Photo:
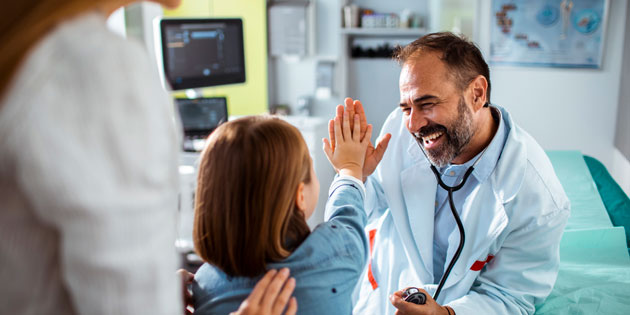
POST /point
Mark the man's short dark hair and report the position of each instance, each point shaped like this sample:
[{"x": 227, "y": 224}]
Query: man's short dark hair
[{"x": 461, "y": 56}]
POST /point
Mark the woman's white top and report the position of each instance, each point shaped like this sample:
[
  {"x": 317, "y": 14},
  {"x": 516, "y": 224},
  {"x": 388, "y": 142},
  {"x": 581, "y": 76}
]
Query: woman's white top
[{"x": 88, "y": 179}]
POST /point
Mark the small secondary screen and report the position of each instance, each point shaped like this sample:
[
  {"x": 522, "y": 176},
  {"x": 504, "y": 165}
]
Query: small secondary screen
[{"x": 202, "y": 115}]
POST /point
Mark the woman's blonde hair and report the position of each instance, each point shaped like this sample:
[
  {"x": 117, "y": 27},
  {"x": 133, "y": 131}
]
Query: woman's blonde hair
[
  {"x": 24, "y": 22},
  {"x": 245, "y": 205}
]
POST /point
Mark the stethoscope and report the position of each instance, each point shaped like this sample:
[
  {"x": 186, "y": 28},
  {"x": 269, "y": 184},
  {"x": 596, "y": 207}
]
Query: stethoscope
[{"x": 412, "y": 294}]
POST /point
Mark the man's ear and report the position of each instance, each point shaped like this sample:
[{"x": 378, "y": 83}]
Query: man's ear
[
  {"x": 299, "y": 197},
  {"x": 478, "y": 88}
]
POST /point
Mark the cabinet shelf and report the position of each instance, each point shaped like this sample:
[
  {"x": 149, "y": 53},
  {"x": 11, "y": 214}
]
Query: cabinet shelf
[{"x": 376, "y": 32}]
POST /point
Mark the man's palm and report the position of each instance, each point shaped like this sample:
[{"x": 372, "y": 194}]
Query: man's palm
[{"x": 373, "y": 155}]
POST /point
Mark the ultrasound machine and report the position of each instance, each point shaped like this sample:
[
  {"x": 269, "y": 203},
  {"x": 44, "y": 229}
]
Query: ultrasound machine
[
  {"x": 194, "y": 54},
  {"x": 199, "y": 53}
]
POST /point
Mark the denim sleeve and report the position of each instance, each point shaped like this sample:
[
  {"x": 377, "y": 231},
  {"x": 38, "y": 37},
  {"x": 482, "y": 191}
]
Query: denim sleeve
[{"x": 345, "y": 212}]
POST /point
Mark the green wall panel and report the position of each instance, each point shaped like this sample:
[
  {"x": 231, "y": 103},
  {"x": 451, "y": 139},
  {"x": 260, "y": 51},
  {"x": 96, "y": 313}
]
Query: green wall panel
[{"x": 248, "y": 98}]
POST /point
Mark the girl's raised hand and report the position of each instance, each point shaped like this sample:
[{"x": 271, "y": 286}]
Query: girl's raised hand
[{"x": 348, "y": 155}]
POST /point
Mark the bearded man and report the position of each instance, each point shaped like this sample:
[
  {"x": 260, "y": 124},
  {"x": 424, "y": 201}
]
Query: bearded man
[{"x": 512, "y": 207}]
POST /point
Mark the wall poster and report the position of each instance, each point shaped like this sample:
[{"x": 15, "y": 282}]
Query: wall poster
[{"x": 548, "y": 33}]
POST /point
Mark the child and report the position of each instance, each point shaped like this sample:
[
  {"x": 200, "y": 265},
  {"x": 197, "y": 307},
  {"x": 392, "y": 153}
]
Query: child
[{"x": 256, "y": 188}]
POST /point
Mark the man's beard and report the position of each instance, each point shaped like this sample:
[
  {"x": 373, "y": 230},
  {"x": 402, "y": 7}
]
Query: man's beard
[{"x": 455, "y": 137}]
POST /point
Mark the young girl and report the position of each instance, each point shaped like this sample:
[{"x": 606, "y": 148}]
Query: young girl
[{"x": 255, "y": 190}]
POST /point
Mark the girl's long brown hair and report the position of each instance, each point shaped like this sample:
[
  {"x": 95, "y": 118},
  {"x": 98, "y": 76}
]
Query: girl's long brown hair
[{"x": 245, "y": 206}]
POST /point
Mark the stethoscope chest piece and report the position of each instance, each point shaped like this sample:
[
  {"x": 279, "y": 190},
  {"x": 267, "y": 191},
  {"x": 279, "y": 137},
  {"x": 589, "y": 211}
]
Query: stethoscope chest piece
[{"x": 413, "y": 295}]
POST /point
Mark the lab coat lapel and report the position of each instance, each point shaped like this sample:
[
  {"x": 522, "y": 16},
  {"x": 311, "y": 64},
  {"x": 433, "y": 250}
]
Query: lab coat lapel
[
  {"x": 484, "y": 218},
  {"x": 483, "y": 214},
  {"x": 419, "y": 188}
]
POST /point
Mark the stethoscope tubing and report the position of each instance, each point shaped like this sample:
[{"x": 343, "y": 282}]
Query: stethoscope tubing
[{"x": 460, "y": 225}]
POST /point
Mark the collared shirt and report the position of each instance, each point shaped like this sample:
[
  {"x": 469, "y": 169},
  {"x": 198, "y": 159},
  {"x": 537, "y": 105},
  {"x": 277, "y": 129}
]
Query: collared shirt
[{"x": 452, "y": 175}]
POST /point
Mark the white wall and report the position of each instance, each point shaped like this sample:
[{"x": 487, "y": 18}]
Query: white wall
[
  {"x": 375, "y": 82},
  {"x": 564, "y": 109},
  {"x": 567, "y": 109},
  {"x": 620, "y": 165},
  {"x": 139, "y": 19},
  {"x": 116, "y": 22},
  {"x": 622, "y": 137}
]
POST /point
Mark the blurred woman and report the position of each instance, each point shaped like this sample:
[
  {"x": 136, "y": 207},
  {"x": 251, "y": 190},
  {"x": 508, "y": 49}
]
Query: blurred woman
[
  {"x": 88, "y": 166},
  {"x": 88, "y": 169}
]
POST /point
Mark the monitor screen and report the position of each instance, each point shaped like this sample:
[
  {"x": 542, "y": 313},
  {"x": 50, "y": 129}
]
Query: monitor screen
[
  {"x": 202, "y": 52},
  {"x": 200, "y": 116}
]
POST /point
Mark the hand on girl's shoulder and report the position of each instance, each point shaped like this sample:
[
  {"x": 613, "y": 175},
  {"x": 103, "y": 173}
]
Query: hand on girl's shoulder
[{"x": 271, "y": 295}]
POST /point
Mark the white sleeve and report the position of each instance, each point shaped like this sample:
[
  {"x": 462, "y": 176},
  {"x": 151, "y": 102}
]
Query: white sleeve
[
  {"x": 375, "y": 200},
  {"x": 97, "y": 160}
]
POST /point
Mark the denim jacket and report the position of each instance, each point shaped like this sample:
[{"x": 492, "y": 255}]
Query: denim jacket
[{"x": 326, "y": 266}]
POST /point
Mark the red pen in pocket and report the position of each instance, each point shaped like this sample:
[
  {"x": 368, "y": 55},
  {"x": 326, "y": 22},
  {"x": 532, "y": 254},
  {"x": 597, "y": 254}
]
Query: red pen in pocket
[{"x": 478, "y": 265}]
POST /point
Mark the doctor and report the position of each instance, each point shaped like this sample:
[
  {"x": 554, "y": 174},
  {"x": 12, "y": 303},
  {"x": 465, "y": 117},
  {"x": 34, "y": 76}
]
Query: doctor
[{"x": 513, "y": 207}]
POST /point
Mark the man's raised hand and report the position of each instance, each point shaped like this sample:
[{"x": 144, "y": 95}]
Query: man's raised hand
[{"x": 373, "y": 155}]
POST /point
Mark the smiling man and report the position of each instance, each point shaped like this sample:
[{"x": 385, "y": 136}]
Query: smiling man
[{"x": 512, "y": 206}]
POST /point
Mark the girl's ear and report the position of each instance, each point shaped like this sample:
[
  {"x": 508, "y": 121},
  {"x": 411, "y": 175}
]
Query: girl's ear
[{"x": 299, "y": 197}]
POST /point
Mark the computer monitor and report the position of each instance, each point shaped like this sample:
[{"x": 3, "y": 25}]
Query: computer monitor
[
  {"x": 202, "y": 52},
  {"x": 200, "y": 116}
]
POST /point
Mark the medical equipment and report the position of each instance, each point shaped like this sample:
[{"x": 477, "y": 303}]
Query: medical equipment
[
  {"x": 199, "y": 117},
  {"x": 201, "y": 52},
  {"x": 414, "y": 297}
]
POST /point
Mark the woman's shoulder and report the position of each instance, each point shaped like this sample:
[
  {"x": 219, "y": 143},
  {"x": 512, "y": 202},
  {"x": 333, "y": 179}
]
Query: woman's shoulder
[
  {"x": 82, "y": 62},
  {"x": 86, "y": 38},
  {"x": 83, "y": 48}
]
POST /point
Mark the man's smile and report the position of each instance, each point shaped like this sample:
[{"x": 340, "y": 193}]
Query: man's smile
[{"x": 431, "y": 140}]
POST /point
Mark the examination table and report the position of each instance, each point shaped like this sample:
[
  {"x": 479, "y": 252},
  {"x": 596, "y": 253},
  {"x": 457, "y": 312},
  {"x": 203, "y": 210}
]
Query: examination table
[{"x": 594, "y": 276}]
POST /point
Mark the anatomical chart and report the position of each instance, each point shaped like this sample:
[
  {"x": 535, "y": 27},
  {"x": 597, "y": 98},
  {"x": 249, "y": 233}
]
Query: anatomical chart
[{"x": 560, "y": 33}]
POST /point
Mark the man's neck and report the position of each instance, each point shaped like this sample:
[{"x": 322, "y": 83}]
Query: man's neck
[{"x": 481, "y": 139}]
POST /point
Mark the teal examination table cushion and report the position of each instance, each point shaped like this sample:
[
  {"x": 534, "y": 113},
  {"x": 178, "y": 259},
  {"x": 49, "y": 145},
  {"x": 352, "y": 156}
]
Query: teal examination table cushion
[
  {"x": 615, "y": 199},
  {"x": 594, "y": 275}
]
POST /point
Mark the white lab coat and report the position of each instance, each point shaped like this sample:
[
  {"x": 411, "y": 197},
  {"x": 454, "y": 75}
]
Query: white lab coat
[{"x": 514, "y": 219}]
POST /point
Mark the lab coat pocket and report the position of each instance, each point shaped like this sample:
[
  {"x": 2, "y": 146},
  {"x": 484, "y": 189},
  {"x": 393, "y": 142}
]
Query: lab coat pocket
[{"x": 463, "y": 276}]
